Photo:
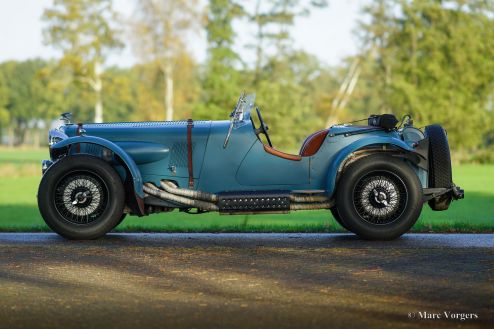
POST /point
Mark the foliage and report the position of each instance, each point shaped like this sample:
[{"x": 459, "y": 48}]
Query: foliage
[
  {"x": 273, "y": 19},
  {"x": 119, "y": 96},
  {"x": 289, "y": 98},
  {"x": 433, "y": 59},
  {"x": 148, "y": 83},
  {"x": 82, "y": 30},
  {"x": 480, "y": 156},
  {"x": 161, "y": 29},
  {"x": 285, "y": 81},
  {"x": 4, "y": 98},
  {"x": 222, "y": 80},
  {"x": 27, "y": 96}
]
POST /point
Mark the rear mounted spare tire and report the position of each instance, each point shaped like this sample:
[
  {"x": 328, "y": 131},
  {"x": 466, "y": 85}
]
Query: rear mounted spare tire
[{"x": 440, "y": 173}]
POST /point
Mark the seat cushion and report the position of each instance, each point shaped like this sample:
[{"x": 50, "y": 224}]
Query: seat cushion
[
  {"x": 280, "y": 154},
  {"x": 313, "y": 143}
]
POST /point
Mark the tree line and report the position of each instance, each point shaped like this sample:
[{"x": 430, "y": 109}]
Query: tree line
[{"x": 432, "y": 59}]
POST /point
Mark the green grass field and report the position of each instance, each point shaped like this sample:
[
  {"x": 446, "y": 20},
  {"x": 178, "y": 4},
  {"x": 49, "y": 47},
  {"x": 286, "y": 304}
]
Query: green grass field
[{"x": 20, "y": 175}]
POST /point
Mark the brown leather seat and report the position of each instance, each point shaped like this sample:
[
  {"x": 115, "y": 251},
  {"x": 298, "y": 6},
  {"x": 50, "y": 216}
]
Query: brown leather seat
[
  {"x": 280, "y": 154},
  {"x": 313, "y": 143}
]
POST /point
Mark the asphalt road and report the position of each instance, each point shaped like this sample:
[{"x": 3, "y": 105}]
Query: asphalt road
[{"x": 246, "y": 281}]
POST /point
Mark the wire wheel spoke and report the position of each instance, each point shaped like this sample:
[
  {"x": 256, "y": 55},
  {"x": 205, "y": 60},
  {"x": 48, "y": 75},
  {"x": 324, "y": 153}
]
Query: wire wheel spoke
[
  {"x": 380, "y": 197},
  {"x": 81, "y": 197}
]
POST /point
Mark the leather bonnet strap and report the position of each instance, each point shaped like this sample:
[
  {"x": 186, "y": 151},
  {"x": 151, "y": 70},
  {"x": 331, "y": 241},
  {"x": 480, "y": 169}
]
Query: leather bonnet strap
[{"x": 190, "y": 125}]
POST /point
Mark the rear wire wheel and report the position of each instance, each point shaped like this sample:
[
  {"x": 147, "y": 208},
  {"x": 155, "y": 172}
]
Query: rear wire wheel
[
  {"x": 337, "y": 218},
  {"x": 379, "y": 197},
  {"x": 124, "y": 215}
]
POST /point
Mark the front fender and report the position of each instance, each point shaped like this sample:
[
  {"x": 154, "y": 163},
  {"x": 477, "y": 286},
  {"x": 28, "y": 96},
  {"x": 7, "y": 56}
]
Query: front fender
[
  {"x": 345, "y": 152},
  {"x": 126, "y": 159}
]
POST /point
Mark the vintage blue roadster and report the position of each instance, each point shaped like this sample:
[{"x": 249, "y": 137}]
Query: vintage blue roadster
[{"x": 374, "y": 178}]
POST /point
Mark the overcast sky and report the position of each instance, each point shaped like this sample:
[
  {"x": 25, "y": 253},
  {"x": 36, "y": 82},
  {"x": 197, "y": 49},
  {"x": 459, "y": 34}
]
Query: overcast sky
[{"x": 327, "y": 33}]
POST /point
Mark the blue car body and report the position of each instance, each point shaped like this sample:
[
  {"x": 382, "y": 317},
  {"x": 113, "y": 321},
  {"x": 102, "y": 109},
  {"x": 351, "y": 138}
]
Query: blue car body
[
  {"x": 156, "y": 151},
  {"x": 373, "y": 178}
]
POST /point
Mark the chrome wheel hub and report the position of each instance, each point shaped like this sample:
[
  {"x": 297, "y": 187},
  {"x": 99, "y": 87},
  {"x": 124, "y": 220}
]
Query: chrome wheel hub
[
  {"x": 81, "y": 198},
  {"x": 380, "y": 198}
]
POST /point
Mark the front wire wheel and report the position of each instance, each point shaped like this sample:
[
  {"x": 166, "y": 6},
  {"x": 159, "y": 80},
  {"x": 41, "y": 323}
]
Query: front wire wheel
[{"x": 81, "y": 197}]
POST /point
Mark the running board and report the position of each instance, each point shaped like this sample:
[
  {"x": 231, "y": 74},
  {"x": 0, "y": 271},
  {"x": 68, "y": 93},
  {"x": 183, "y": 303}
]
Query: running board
[{"x": 275, "y": 201}]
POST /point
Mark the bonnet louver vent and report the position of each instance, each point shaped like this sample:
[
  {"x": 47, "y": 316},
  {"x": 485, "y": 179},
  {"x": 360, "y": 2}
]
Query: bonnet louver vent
[
  {"x": 179, "y": 154},
  {"x": 140, "y": 124}
]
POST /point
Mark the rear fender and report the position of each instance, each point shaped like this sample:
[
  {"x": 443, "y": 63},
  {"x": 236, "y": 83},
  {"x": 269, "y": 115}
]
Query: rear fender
[
  {"x": 133, "y": 181},
  {"x": 375, "y": 144}
]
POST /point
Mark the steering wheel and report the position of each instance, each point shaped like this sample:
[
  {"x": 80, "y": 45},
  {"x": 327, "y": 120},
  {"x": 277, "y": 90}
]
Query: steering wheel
[{"x": 263, "y": 129}]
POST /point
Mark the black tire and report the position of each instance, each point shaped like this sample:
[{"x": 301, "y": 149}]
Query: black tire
[
  {"x": 440, "y": 173},
  {"x": 81, "y": 197},
  {"x": 379, "y": 197},
  {"x": 337, "y": 218},
  {"x": 121, "y": 219}
]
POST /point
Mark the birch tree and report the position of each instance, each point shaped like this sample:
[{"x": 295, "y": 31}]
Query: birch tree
[
  {"x": 161, "y": 30},
  {"x": 83, "y": 30}
]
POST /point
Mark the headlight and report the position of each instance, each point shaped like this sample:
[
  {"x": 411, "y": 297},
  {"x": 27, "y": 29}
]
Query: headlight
[
  {"x": 55, "y": 136},
  {"x": 53, "y": 140}
]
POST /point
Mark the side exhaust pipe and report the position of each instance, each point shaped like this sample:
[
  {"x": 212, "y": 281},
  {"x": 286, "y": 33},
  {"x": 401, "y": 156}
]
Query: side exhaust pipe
[
  {"x": 209, "y": 201},
  {"x": 173, "y": 189},
  {"x": 155, "y": 191},
  {"x": 311, "y": 206},
  {"x": 308, "y": 198}
]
